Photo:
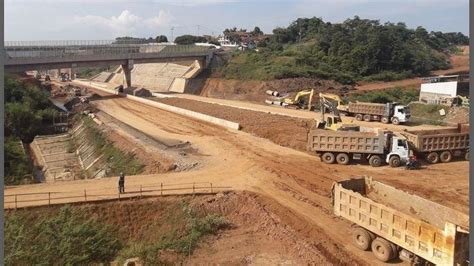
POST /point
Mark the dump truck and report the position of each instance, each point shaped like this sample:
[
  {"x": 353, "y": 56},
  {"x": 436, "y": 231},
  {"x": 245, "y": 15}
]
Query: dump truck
[
  {"x": 386, "y": 113},
  {"x": 393, "y": 223},
  {"x": 373, "y": 145},
  {"x": 440, "y": 145}
]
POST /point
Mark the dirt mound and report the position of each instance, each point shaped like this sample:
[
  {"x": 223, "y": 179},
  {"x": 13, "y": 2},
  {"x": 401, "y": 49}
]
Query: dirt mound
[
  {"x": 282, "y": 130},
  {"x": 255, "y": 90},
  {"x": 458, "y": 115}
]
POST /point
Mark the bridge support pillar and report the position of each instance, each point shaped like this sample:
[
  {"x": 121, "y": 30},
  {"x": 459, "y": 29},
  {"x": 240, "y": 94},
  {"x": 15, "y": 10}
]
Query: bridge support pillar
[
  {"x": 127, "y": 71},
  {"x": 72, "y": 72}
]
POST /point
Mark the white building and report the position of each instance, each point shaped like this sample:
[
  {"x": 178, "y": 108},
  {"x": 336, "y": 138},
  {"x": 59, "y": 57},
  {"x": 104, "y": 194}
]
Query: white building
[{"x": 443, "y": 89}]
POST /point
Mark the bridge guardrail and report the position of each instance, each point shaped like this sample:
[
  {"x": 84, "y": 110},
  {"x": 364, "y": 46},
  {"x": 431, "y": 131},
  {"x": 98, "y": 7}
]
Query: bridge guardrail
[{"x": 77, "y": 51}]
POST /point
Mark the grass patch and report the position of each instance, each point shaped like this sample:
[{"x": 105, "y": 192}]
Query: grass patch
[
  {"x": 400, "y": 95},
  {"x": 187, "y": 229},
  {"x": 428, "y": 113},
  {"x": 65, "y": 238},
  {"x": 117, "y": 160}
]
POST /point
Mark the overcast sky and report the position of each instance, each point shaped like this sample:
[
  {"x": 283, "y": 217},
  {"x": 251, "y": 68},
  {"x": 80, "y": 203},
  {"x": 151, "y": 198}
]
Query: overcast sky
[{"x": 107, "y": 19}]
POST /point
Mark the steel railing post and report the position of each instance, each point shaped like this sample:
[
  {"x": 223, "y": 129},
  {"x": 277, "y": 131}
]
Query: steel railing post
[
  {"x": 16, "y": 202},
  {"x": 161, "y": 189},
  {"x": 85, "y": 196},
  {"x": 49, "y": 198}
]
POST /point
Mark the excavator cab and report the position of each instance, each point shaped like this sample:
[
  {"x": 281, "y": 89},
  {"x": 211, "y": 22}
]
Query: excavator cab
[{"x": 332, "y": 123}]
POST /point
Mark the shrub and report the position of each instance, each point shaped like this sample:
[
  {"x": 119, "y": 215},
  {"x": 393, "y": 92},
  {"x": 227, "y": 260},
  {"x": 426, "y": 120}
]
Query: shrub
[{"x": 66, "y": 238}]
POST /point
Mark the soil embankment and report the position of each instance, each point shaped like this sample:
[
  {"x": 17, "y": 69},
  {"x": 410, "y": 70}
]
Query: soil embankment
[
  {"x": 254, "y": 91},
  {"x": 282, "y": 130}
]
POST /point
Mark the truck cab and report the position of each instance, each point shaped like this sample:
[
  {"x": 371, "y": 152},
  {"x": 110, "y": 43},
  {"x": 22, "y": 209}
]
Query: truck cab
[
  {"x": 398, "y": 151},
  {"x": 401, "y": 114}
]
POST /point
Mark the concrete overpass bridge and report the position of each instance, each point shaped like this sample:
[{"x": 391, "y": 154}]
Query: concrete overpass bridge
[{"x": 26, "y": 56}]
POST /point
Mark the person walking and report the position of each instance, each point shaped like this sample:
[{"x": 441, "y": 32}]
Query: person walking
[{"x": 121, "y": 183}]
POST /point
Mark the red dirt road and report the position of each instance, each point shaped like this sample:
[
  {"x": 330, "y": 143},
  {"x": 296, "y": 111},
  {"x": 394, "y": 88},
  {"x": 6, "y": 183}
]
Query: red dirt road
[{"x": 298, "y": 182}]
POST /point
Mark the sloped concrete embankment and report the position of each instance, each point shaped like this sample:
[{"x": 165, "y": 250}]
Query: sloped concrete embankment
[
  {"x": 56, "y": 158},
  {"x": 68, "y": 156},
  {"x": 90, "y": 158}
]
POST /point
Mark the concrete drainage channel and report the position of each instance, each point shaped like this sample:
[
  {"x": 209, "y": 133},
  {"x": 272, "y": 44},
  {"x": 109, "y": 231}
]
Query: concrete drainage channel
[
  {"x": 60, "y": 159},
  {"x": 181, "y": 111}
]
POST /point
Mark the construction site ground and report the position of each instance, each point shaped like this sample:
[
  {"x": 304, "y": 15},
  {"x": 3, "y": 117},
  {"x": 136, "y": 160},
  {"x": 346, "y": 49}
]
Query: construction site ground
[{"x": 267, "y": 158}]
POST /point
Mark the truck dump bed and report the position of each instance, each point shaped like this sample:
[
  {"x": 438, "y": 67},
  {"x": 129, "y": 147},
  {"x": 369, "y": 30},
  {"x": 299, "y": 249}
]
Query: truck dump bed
[
  {"x": 439, "y": 139},
  {"x": 345, "y": 141},
  {"x": 368, "y": 108},
  {"x": 427, "y": 229}
]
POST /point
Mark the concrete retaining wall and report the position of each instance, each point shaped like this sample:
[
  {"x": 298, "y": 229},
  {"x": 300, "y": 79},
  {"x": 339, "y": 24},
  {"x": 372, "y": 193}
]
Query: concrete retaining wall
[
  {"x": 178, "y": 85},
  {"x": 181, "y": 111}
]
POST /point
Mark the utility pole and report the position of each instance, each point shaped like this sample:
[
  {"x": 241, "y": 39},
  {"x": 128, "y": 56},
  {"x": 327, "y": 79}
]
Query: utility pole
[{"x": 172, "y": 30}]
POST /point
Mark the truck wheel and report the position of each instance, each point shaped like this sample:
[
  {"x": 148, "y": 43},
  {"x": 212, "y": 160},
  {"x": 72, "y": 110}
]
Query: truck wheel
[
  {"x": 375, "y": 161},
  {"x": 362, "y": 238},
  {"x": 466, "y": 156},
  {"x": 328, "y": 157},
  {"x": 394, "y": 161},
  {"x": 367, "y": 118},
  {"x": 432, "y": 157},
  {"x": 445, "y": 157},
  {"x": 342, "y": 158},
  {"x": 395, "y": 121},
  {"x": 385, "y": 120},
  {"x": 382, "y": 249},
  {"x": 359, "y": 117}
]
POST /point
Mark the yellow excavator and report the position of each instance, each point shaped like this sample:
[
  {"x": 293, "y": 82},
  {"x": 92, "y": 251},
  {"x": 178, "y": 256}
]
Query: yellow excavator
[
  {"x": 338, "y": 101},
  {"x": 302, "y": 100},
  {"x": 333, "y": 103}
]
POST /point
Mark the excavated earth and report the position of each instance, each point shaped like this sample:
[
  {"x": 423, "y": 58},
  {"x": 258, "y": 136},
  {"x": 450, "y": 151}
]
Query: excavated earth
[
  {"x": 295, "y": 184},
  {"x": 254, "y": 91},
  {"x": 283, "y": 130}
]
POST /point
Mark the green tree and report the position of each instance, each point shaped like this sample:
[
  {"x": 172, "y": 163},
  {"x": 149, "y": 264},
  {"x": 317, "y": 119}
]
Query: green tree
[
  {"x": 189, "y": 39},
  {"x": 256, "y": 31},
  {"x": 16, "y": 162},
  {"x": 161, "y": 38}
]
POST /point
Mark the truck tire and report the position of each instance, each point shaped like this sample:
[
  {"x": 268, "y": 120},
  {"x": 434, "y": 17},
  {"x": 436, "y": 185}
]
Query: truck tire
[
  {"x": 328, "y": 157},
  {"x": 466, "y": 156},
  {"x": 432, "y": 157},
  {"x": 394, "y": 161},
  {"x": 367, "y": 118},
  {"x": 362, "y": 238},
  {"x": 375, "y": 161},
  {"x": 395, "y": 121},
  {"x": 382, "y": 249},
  {"x": 342, "y": 158},
  {"x": 385, "y": 120},
  {"x": 359, "y": 117},
  {"x": 445, "y": 157}
]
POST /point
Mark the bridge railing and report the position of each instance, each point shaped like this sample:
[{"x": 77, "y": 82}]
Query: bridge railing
[
  {"x": 91, "y": 49},
  {"x": 58, "y": 43}
]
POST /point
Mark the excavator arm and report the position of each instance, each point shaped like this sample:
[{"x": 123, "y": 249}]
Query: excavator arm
[
  {"x": 303, "y": 99},
  {"x": 340, "y": 105}
]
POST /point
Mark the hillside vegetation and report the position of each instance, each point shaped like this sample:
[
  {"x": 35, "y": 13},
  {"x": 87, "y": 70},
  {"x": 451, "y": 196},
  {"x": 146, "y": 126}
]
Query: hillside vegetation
[
  {"x": 357, "y": 49},
  {"x": 27, "y": 111},
  {"x": 102, "y": 233}
]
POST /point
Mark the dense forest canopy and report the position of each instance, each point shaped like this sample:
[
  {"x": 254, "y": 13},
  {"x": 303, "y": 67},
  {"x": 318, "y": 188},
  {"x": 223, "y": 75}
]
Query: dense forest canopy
[{"x": 352, "y": 50}]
